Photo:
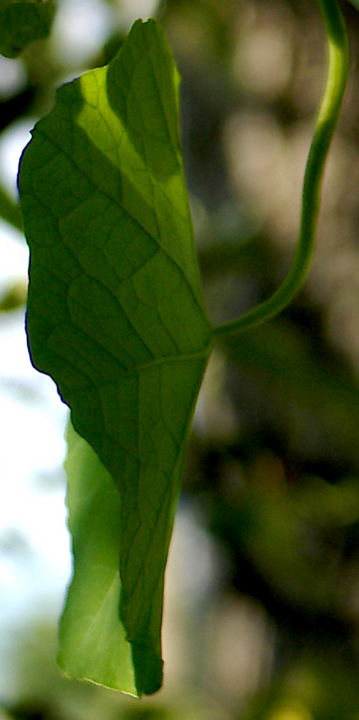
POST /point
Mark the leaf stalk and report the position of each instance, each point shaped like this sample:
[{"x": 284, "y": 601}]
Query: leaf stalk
[{"x": 327, "y": 119}]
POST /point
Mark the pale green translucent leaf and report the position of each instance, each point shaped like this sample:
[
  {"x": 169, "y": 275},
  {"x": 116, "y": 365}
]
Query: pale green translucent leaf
[
  {"x": 115, "y": 311},
  {"x": 93, "y": 641},
  {"x": 22, "y": 23}
]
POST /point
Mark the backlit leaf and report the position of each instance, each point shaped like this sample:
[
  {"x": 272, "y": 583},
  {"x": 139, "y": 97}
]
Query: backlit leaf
[
  {"x": 93, "y": 641},
  {"x": 115, "y": 310}
]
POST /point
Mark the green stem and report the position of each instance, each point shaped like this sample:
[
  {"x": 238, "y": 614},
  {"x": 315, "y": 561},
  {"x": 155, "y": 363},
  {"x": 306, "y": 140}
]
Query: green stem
[{"x": 329, "y": 111}]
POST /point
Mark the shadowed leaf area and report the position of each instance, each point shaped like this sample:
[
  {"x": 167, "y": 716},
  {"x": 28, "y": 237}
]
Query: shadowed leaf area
[{"x": 116, "y": 316}]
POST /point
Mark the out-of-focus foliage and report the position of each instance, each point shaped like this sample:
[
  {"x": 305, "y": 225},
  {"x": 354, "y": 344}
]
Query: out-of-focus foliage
[
  {"x": 274, "y": 461},
  {"x": 22, "y": 23}
]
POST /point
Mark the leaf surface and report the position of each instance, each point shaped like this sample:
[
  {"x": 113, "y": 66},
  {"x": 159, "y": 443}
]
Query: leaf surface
[
  {"x": 22, "y": 23},
  {"x": 93, "y": 641},
  {"x": 115, "y": 309}
]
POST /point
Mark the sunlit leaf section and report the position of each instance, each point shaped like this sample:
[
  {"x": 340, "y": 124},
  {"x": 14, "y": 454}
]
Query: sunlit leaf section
[{"x": 92, "y": 638}]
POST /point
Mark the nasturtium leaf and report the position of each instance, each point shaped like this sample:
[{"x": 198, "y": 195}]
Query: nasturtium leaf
[
  {"x": 22, "y": 23},
  {"x": 115, "y": 308}
]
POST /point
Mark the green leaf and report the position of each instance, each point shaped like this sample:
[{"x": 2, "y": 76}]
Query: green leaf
[
  {"x": 93, "y": 641},
  {"x": 115, "y": 310},
  {"x": 22, "y": 23}
]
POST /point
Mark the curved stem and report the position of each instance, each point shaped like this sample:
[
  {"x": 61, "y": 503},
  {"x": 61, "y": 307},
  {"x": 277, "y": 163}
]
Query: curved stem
[{"x": 328, "y": 115}]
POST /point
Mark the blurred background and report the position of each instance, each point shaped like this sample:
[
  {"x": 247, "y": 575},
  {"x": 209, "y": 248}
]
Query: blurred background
[{"x": 262, "y": 589}]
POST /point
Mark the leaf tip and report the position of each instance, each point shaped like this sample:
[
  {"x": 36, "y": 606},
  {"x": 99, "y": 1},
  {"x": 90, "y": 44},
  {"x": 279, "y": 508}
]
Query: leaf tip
[{"x": 148, "y": 670}]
